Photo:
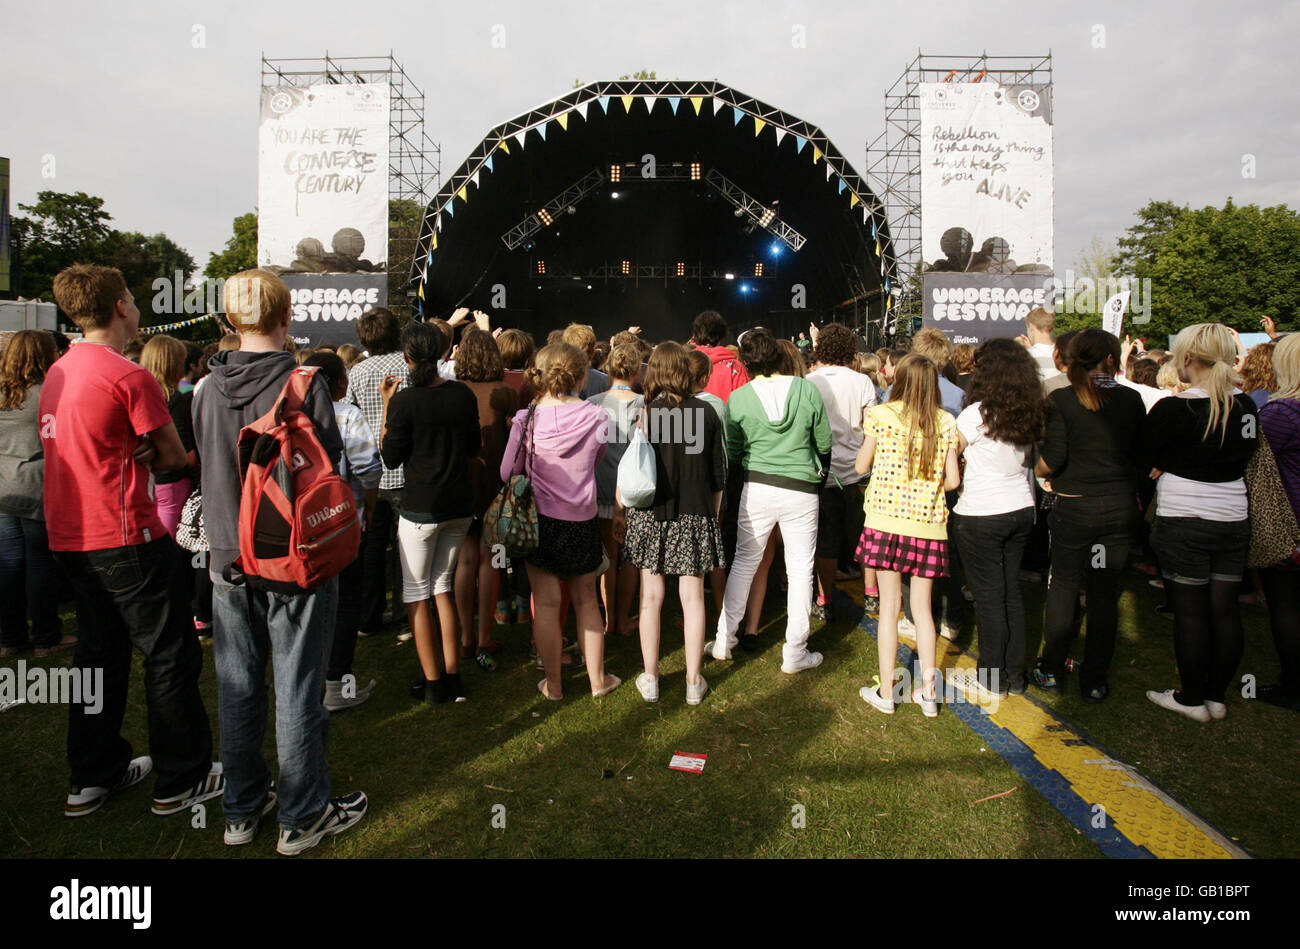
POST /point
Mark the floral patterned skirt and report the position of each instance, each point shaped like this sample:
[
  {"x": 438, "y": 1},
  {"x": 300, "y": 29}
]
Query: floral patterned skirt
[{"x": 687, "y": 547}]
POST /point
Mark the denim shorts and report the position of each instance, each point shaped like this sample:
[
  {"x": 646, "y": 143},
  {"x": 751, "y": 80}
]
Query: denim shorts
[{"x": 1195, "y": 551}]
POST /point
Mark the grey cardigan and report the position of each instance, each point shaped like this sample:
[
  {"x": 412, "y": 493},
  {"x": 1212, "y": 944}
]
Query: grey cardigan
[{"x": 22, "y": 460}]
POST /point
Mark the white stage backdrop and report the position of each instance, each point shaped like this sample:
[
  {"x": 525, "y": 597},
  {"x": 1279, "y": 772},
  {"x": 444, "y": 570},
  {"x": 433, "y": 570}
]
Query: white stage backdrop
[{"x": 322, "y": 190}]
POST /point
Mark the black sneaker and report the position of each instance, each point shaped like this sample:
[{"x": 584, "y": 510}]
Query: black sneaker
[
  {"x": 340, "y": 814},
  {"x": 455, "y": 687},
  {"x": 240, "y": 832},
  {"x": 871, "y": 604},
  {"x": 418, "y": 690},
  {"x": 83, "y": 801},
  {"x": 435, "y": 691},
  {"x": 212, "y": 785}
]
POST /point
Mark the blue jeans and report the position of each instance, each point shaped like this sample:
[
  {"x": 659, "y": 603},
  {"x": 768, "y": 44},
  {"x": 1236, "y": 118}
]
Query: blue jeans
[
  {"x": 29, "y": 583},
  {"x": 250, "y": 627}
]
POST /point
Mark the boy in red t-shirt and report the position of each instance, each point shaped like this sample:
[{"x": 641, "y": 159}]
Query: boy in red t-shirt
[{"x": 104, "y": 425}]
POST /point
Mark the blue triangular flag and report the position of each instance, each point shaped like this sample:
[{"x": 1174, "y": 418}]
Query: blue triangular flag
[
  {"x": 736, "y": 115},
  {"x": 843, "y": 184},
  {"x": 541, "y": 130},
  {"x": 450, "y": 207},
  {"x": 674, "y": 101},
  {"x": 488, "y": 162},
  {"x": 604, "y": 103},
  {"x": 801, "y": 143}
]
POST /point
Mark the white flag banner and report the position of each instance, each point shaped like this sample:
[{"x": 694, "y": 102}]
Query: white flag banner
[
  {"x": 322, "y": 190},
  {"x": 1112, "y": 314}
]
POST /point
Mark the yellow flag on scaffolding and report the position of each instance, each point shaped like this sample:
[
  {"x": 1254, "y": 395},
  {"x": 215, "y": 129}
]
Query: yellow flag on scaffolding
[
  {"x": 853, "y": 202},
  {"x": 817, "y": 154},
  {"x": 697, "y": 101},
  {"x": 758, "y": 125},
  {"x": 461, "y": 194},
  {"x": 563, "y": 119},
  {"x": 627, "y": 104},
  {"x": 504, "y": 147}
]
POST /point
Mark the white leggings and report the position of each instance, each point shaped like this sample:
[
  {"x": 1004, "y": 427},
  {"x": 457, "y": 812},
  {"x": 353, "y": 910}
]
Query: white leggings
[{"x": 428, "y": 553}]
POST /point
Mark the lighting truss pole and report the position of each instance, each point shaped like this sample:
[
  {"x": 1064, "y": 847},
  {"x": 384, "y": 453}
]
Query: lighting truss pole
[
  {"x": 894, "y": 157},
  {"x": 755, "y": 210},
  {"x": 546, "y": 215}
]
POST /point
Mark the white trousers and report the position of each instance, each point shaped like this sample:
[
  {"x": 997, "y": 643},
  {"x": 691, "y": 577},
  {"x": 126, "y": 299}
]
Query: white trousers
[
  {"x": 763, "y": 507},
  {"x": 428, "y": 553}
]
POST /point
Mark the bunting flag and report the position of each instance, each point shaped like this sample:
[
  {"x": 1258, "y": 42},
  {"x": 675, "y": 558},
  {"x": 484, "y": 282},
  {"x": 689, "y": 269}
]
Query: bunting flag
[
  {"x": 780, "y": 133},
  {"x": 461, "y": 194},
  {"x": 853, "y": 202},
  {"x": 563, "y": 119},
  {"x": 697, "y": 101},
  {"x": 627, "y": 104},
  {"x": 817, "y": 154},
  {"x": 717, "y": 106},
  {"x": 674, "y": 102},
  {"x": 450, "y": 208},
  {"x": 432, "y": 247},
  {"x": 421, "y": 289},
  {"x": 428, "y": 261},
  {"x": 604, "y": 103},
  {"x": 474, "y": 178},
  {"x": 519, "y": 137},
  {"x": 758, "y": 125},
  {"x": 800, "y": 143},
  {"x": 541, "y": 130},
  {"x": 505, "y": 146},
  {"x": 736, "y": 115},
  {"x": 488, "y": 161},
  {"x": 168, "y": 327},
  {"x": 829, "y": 170},
  {"x": 878, "y": 249},
  {"x": 843, "y": 184},
  {"x": 650, "y": 103},
  {"x": 582, "y": 110}
]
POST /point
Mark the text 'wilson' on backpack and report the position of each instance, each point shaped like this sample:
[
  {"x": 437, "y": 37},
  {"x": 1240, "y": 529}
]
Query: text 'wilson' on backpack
[{"x": 298, "y": 520}]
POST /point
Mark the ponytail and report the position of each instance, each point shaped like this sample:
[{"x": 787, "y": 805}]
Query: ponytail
[
  {"x": 1212, "y": 347},
  {"x": 1089, "y": 352},
  {"x": 422, "y": 344}
]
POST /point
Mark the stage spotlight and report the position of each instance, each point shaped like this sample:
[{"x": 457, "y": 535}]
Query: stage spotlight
[
  {"x": 615, "y": 173},
  {"x": 588, "y": 286},
  {"x": 766, "y": 219},
  {"x": 695, "y": 171},
  {"x": 681, "y": 269},
  {"x": 738, "y": 212},
  {"x": 613, "y": 194},
  {"x": 776, "y": 248},
  {"x": 626, "y": 267},
  {"x": 541, "y": 268},
  {"x": 758, "y": 269},
  {"x": 744, "y": 288},
  {"x": 570, "y": 210},
  {"x": 545, "y": 217},
  {"x": 729, "y": 276}
]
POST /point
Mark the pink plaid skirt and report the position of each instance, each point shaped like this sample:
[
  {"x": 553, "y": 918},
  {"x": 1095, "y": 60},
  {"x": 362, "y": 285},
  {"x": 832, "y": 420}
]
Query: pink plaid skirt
[{"x": 914, "y": 556}]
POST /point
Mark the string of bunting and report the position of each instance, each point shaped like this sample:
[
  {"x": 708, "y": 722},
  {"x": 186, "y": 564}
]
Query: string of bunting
[{"x": 168, "y": 327}]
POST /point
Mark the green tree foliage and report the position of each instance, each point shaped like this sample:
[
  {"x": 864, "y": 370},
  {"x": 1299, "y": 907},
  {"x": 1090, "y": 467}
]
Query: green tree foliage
[
  {"x": 143, "y": 259},
  {"x": 1227, "y": 265},
  {"x": 240, "y": 252},
  {"x": 59, "y": 230}
]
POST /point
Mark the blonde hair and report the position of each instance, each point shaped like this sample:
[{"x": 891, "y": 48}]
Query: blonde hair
[
  {"x": 164, "y": 357},
  {"x": 916, "y": 387},
  {"x": 228, "y": 342},
  {"x": 792, "y": 362},
  {"x": 560, "y": 369},
  {"x": 1286, "y": 364},
  {"x": 1167, "y": 378},
  {"x": 624, "y": 361},
  {"x": 869, "y": 365},
  {"x": 350, "y": 354},
  {"x": 932, "y": 344},
  {"x": 256, "y": 301},
  {"x": 580, "y": 336},
  {"x": 1212, "y": 347}
]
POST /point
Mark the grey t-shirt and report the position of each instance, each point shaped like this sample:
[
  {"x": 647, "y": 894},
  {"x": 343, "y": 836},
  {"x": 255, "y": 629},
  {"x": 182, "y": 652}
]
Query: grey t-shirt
[
  {"x": 22, "y": 459},
  {"x": 623, "y": 416}
]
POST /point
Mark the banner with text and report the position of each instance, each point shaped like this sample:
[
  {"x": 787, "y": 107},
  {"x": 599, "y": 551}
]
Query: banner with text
[
  {"x": 325, "y": 307},
  {"x": 322, "y": 190},
  {"x": 971, "y": 308}
]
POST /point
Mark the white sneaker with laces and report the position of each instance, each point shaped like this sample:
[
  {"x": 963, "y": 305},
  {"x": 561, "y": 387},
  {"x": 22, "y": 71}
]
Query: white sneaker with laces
[
  {"x": 241, "y": 832},
  {"x": 1197, "y": 713},
  {"x": 929, "y": 707},
  {"x": 211, "y": 786},
  {"x": 83, "y": 801},
  {"x": 340, "y": 814},
  {"x": 810, "y": 660},
  {"x": 876, "y": 700},
  {"x": 718, "y": 649},
  {"x": 648, "y": 686},
  {"x": 906, "y": 628},
  {"x": 695, "y": 693}
]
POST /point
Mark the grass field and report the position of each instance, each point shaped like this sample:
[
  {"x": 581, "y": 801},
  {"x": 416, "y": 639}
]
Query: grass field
[{"x": 590, "y": 778}]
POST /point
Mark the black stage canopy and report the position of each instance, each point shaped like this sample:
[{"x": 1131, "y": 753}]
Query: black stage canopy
[{"x": 630, "y": 203}]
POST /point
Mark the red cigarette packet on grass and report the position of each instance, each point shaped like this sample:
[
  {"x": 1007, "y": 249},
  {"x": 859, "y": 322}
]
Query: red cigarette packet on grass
[{"x": 684, "y": 762}]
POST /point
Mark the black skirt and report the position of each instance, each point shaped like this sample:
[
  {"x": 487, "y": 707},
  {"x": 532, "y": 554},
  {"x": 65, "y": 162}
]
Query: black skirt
[{"x": 567, "y": 548}]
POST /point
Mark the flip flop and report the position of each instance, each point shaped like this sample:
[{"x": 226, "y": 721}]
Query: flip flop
[
  {"x": 597, "y": 693},
  {"x": 541, "y": 687}
]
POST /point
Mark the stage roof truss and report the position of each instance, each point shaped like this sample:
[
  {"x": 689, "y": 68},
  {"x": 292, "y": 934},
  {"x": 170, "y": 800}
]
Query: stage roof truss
[
  {"x": 569, "y": 197},
  {"x": 758, "y": 213}
]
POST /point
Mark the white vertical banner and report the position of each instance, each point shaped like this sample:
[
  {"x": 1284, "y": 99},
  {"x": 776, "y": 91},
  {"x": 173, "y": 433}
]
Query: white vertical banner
[
  {"x": 1112, "y": 315},
  {"x": 322, "y": 190}
]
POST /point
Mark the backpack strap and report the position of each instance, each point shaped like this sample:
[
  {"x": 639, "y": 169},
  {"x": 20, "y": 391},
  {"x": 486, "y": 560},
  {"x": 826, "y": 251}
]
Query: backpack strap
[{"x": 294, "y": 393}]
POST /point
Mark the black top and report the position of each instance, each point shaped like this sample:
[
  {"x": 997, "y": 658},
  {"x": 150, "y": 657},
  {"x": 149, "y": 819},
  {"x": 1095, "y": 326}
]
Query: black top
[
  {"x": 434, "y": 431},
  {"x": 181, "y": 407},
  {"x": 1174, "y": 439},
  {"x": 1094, "y": 453},
  {"x": 689, "y": 460}
]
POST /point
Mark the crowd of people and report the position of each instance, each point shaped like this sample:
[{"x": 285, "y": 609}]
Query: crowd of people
[{"x": 938, "y": 475}]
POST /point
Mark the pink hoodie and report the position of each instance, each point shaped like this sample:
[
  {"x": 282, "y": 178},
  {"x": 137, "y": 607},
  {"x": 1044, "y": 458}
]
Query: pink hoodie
[
  {"x": 728, "y": 372},
  {"x": 567, "y": 443}
]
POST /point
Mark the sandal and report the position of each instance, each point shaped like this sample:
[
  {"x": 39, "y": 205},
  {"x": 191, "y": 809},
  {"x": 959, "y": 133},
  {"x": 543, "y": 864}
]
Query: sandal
[
  {"x": 541, "y": 687},
  {"x": 597, "y": 693}
]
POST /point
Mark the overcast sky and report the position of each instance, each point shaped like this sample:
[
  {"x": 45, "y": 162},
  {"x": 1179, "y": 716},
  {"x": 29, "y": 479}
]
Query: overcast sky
[{"x": 166, "y": 132}]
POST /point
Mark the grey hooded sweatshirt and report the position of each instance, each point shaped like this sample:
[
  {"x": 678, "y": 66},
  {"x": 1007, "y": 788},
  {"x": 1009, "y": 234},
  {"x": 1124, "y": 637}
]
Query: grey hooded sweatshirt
[{"x": 241, "y": 388}]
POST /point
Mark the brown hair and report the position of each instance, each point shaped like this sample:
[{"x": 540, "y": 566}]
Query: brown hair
[
  {"x": 701, "y": 369},
  {"x": 164, "y": 357},
  {"x": 932, "y": 344},
  {"x": 478, "y": 359},
  {"x": 448, "y": 335},
  {"x": 580, "y": 336},
  {"x": 379, "y": 331},
  {"x": 916, "y": 386},
  {"x": 257, "y": 301},
  {"x": 1257, "y": 369},
  {"x": 24, "y": 361},
  {"x": 1091, "y": 350},
  {"x": 837, "y": 345},
  {"x": 560, "y": 370},
  {"x": 669, "y": 374},
  {"x": 350, "y": 354},
  {"x": 1041, "y": 320},
  {"x": 963, "y": 359},
  {"x": 624, "y": 361},
  {"x": 792, "y": 363},
  {"x": 89, "y": 294},
  {"x": 516, "y": 348}
]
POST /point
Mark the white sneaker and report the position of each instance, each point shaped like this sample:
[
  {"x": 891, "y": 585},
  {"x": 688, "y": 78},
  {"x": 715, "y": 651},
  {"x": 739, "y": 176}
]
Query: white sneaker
[
  {"x": 718, "y": 649},
  {"x": 949, "y": 632},
  {"x": 405, "y": 636},
  {"x": 340, "y": 814},
  {"x": 212, "y": 785},
  {"x": 906, "y": 628},
  {"x": 242, "y": 832},
  {"x": 695, "y": 693},
  {"x": 83, "y": 801},
  {"x": 648, "y": 686},
  {"x": 876, "y": 700},
  {"x": 1197, "y": 713},
  {"x": 1218, "y": 711},
  {"x": 810, "y": 660},
  {"x": 335, "y": 701},
  {"x": 929, "y": 707}
]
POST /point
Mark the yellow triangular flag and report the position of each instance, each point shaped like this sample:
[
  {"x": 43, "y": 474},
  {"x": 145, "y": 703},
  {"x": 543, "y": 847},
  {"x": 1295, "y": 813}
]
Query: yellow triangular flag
[
  {"x": 627, "y": 104},
  {"x": 758, "y": 125},
  {"x": 817, "y": 154},
  {"x": 697, "y": 101},
  {"x": 877, "y": 246},
  {"x": 421, "y": 291},
  {"x": 853, "y": 202},
  {"x": 563, "y": 119},
  {"x": 434, "y": 245},
  {"x": 504, "y": 147},
  {"x": 461, "y": 194}
]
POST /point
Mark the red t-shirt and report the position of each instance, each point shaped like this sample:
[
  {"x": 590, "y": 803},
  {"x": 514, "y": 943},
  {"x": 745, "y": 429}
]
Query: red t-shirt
[{"x": 95, "y": 405}]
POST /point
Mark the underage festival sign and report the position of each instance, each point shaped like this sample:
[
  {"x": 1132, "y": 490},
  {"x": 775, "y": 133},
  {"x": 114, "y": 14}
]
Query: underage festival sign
[{"x": 986, "y": 206}]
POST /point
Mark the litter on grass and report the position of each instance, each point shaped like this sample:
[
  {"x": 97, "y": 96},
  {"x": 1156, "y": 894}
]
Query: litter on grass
[{"x": 686, "y": 762}]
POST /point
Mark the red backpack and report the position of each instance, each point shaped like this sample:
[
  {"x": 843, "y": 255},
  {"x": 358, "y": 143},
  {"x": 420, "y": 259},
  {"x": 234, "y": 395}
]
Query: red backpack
[{"x": 298, "y": 520}]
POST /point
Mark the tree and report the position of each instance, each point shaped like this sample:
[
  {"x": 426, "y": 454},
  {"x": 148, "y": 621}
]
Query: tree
[
  {"x": 240, "y": 252},
  {"x": 1093, "y": 273},
  {"x": 1142, "y": 242},
  {"x": 644, "y": 75},
  {"x": 61, "y": 229}
]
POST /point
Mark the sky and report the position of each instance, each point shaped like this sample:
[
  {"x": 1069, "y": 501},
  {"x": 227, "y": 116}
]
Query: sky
[{"x": 154, "y": 106}]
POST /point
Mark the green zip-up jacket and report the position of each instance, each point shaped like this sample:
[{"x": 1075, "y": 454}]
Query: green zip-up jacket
[{"x": 794, "y": 451}]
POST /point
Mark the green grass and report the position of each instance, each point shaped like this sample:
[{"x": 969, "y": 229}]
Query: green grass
[{"x": 869, "y": 785}]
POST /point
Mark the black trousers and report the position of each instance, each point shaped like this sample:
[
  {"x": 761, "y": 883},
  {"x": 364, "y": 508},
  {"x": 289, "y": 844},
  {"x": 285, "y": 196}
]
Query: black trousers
[
  {"x": 344, "y": 646},
  {"x": 996, "y": 545},
  {"x": 379, "y": 562},
  {"x": 1091, "y": 540},
  {"x": 1282, "y": 588},
  {"x": 137, "y": 596}
]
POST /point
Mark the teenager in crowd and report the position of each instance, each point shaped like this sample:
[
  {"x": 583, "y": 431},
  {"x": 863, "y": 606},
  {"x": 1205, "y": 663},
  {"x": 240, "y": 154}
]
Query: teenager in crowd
[
  {"x": 564, "y": 438},
  {"x": 708, "y": 332},
  {"x": 431, "y": 429},
  {"x": 623, "y": 406},
  {"x": 847, "y": 395},
  {"x": 194, "y": 367},
  {"x": 583, "y": 338},
  {"x": 909, "y": 445},
  {"x": 998, "y": 433},
  {"x": 164, "y": 358},
  {"x": 1258, "y": 378},
  {"x": 1280, "y": 421},
  {"x": 517, "y": 351},
  {"x": 478, "y": 366},
  {"x": 1040, "y": 326},
  {"x": 701, "y": 374},
  {"x": 1090, "y": 458},
  {"x": 104, "y": 427},
  {"x": 29, "y": 577},
  {"x": 380, "y": 333},
  {"x": 678, "y": 534},
  {"x": 351, "y": 354},
  {"x": 361, "y": 467},
  {"x": 778, "y": 433},
  {"x": 963, "y": 364},
  {"x": 1198, "y": 444},
  {"x": 253, "y": 627}
]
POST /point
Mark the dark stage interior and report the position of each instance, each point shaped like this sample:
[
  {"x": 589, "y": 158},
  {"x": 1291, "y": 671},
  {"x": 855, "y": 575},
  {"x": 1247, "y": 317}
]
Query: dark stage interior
[{"x": 613, "y": 256}]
